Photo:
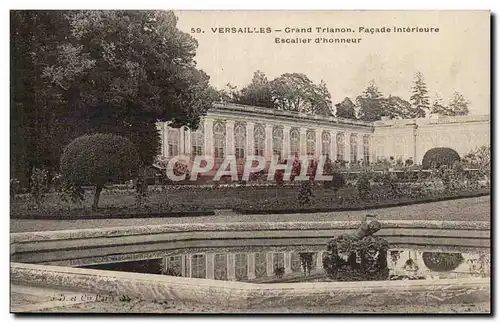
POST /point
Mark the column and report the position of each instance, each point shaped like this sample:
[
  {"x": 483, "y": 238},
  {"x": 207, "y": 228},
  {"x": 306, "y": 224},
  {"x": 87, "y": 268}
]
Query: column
[
  {"x": 286, "y": 141},
  {"x": 230, "y": 137},
  {"x": 319, "y": 142},
  {"x": 269, "y": 264},
  {"x": 183, "y": 266},
  {"x": 251, "y": 265},
  {"x": 333, "y": 145},
  {"x": 250, "y": 140},
  {"x": 188, "y": 265},
  {"x": 361, "y": 146},
  {"x": 288, "y": 262},
  {"x": 187, "y": 141},
  {"x": 165, "y": 264},
  {"x": 231, "y": 266},
  {"x": 181, "y": 140},
  {"x": 347, "y": 146},
  {"x": 268, "y": 146},
  {"x": 303, "y": 150},
  {"x": 209, "y": 135},
  {"x": 209, "y": 265},
  {"x": 319, "y": 260},
  {"x": 165, "y": 139}
]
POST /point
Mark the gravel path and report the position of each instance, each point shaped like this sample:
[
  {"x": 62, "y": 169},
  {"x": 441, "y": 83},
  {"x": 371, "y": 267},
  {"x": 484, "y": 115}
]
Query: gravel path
[{"x": 477, "y": 209}]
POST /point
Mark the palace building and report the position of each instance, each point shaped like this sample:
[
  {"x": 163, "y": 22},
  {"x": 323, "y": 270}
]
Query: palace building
[{"x": 239, "y": 130}]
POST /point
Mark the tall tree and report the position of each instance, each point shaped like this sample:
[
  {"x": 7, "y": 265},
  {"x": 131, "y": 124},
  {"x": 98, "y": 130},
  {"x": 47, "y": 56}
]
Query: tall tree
[
  {"x": 258, "y": 92},
  {"x": 459, "y": 105},
  {"x": 397, "y": 108},
  {"x": 371, "y": 103},
  {"x": 345, "y": 109},
  {"x": 296, "y": 92},
  {"x": 419, "y": 98},
  {"x": 77, "y": 72}
]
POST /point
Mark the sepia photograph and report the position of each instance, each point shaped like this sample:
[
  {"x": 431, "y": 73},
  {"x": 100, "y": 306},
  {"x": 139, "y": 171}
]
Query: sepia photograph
[{"x": 250, "y": 161}]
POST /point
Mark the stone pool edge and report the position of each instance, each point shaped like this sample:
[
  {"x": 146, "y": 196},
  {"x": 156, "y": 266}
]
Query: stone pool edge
[
  {"x": 247, "y": 295},
  {"x": 19, "y": 237}
]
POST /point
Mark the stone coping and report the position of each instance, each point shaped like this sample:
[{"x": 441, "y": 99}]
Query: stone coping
[
  {"x": 248, "y": 295},
  {"x": 39, "y": 236}
]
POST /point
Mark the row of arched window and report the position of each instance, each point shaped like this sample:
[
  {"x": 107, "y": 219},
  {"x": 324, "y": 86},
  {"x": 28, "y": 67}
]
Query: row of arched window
[{"x": 240, "y": 142}]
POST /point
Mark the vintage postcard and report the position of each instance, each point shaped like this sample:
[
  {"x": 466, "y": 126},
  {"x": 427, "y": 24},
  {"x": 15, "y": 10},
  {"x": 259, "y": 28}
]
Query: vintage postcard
[{"x": 250, "y": 161}]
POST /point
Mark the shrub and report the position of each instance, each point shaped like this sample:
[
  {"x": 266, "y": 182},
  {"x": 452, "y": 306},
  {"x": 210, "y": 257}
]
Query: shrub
[
  {"x": 99, "y": 159},
  {"x": 437, "y": 157},
  {"x": 305, "y": 193},
  {"x": 15, "y": 187},
  {"x": 363, "y": 185},
  {"x": 141, "y": 188},
  {"x": 442, "y": 261},
  {"x": 338, "y": 181},
  {"x": 39, "y": 185}
]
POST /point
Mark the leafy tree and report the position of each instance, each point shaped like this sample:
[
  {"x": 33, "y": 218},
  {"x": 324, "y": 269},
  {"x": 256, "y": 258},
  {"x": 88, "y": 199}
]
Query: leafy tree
[
  {"x": 440, "y": 156},
  {"x": 99, "y": 159},
  {"x": 395, "y": 107},
  {"x": 419, "y": 98},
  {"x": 458, "y": 105},
  {"x": 439, "y": 108},
  {"x": 78, "y": 72},
  {"x": 257, "y": 93},
  {"x": 346, "y": 109},
  {"x": 296, "y": 92},
  {"x": 371, "y": 103}
]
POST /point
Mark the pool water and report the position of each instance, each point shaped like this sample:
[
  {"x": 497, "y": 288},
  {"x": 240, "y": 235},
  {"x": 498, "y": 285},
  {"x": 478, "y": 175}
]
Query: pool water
[{"x": 293, "y": 264}]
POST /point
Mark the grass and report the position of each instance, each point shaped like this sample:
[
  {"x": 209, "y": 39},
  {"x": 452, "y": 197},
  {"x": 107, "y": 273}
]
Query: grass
[{"x": 177, "y": 201}]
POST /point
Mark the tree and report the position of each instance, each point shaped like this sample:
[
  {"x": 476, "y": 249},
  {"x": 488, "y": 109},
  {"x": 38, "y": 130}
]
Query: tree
[
  {"x": 458, "y": 105},
  {"x": 78, "y": 72},
  {"x": 439, "y": 108},
  {"x": 419, "y": 98},
  {"x": 370, "y": 103},
  {"x": 257, "y": 93},
  {"x": 99, "y": 159},
  {"x": 296, "y": 92},
  {"x": 345, "y": 109},
  {"x": 395, "y": 107},
  {"x": 440, "y": 156}
]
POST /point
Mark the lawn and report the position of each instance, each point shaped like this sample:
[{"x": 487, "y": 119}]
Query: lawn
[{"x": 246, "y": 199}]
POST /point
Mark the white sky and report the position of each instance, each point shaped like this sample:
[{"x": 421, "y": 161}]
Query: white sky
[{"x": 455, "y": 59}]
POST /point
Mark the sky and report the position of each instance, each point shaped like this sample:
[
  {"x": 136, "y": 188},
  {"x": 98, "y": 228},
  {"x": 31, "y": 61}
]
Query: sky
[{"x": 457, "y": 58}]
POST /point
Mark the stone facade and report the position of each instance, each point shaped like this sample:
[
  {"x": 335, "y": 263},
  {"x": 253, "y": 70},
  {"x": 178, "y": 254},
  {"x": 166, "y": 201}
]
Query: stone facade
[
  {"x": 240, "y": 131},
  {"x": 412, "y": 138}
]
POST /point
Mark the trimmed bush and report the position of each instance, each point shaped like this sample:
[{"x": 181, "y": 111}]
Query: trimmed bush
[
  {"x": 99, "y": 159},
  {"x": 437, "y": 157},
  {"x": 364, "y": 187}
]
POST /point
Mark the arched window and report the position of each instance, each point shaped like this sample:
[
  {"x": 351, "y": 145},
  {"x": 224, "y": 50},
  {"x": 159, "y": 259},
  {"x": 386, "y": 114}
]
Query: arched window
[
  {"x": 173, "y": 142},
  {"x": 294, "y": 142},
  {"x": 366, "y": 148},
  {"x": 219, "y": 140},
  {"x": 354, "y": 148},
  {"x": 310, "y": 143},
  {"x": 277, "y": 141},
  {"x": 241, "y": 269},
  {"x": 197, "y": 139},
  {"x": 325, "y": 144},
  {"x": 239, "y": 141},
  {"x": 259, "y": 136},
  {"x": 198, "y": 266},
  {"x": 340, "y": 146}
]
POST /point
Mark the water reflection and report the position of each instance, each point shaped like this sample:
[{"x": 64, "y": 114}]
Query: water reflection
[{"x": 301, "y": 266}]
